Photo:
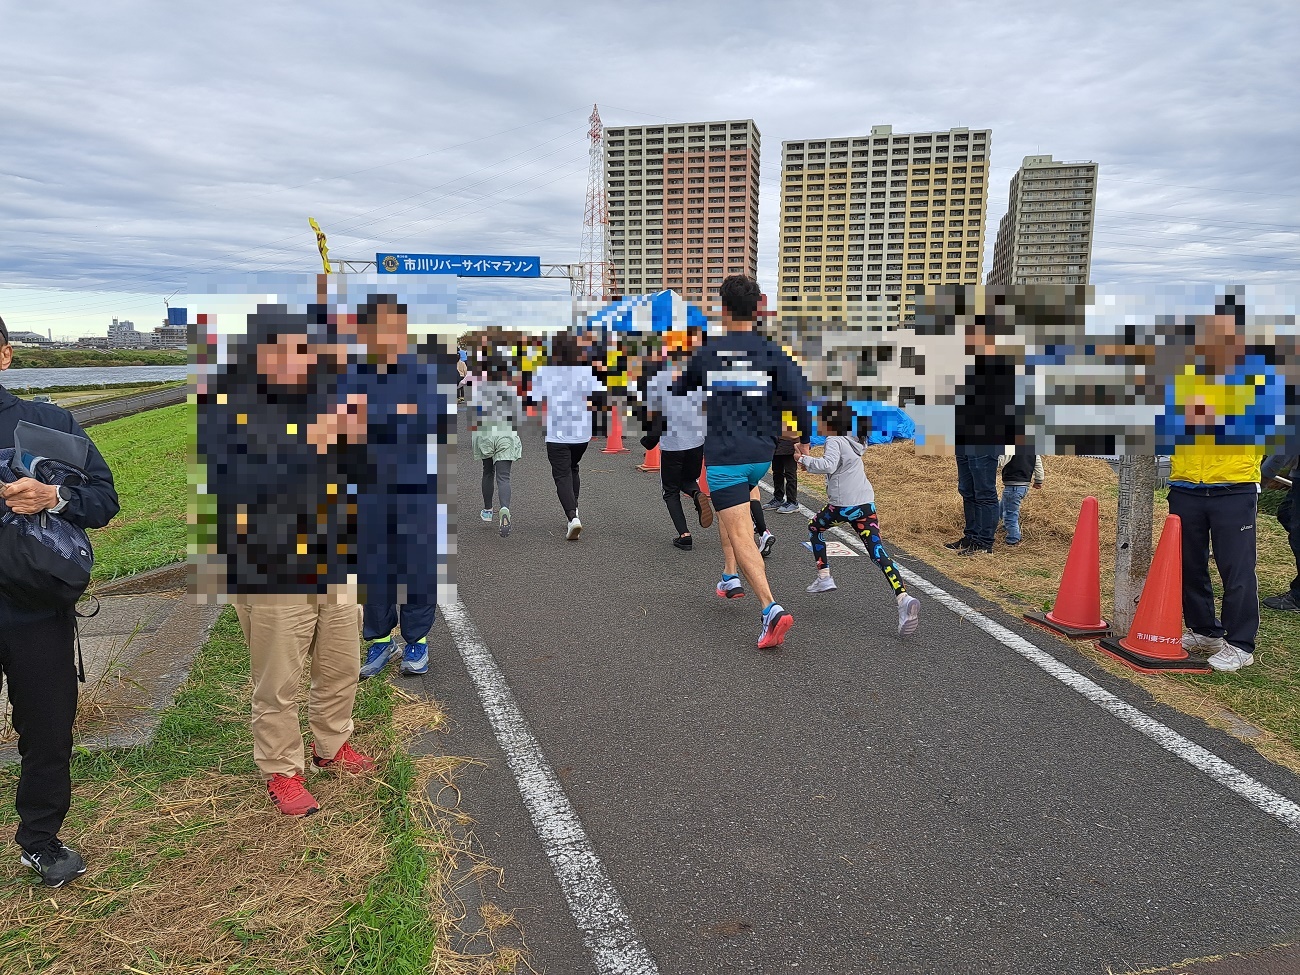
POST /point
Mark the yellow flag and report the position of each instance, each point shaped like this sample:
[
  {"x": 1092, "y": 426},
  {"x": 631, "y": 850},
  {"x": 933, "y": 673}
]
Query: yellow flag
[{"x": 321, "y": 243}]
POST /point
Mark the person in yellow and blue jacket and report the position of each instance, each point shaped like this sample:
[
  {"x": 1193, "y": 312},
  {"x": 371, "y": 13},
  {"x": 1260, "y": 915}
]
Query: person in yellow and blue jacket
[{"x": 1221, "y": 412}]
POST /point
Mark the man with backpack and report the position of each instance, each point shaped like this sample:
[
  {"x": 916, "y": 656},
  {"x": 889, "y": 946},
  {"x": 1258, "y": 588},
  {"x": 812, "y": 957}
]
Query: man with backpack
[{"x": 37, "y": 656}]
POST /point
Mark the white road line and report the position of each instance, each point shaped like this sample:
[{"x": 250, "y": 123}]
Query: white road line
[
  {"x": 595, "y": 905},
  {"x": 1226, "y": 774}
]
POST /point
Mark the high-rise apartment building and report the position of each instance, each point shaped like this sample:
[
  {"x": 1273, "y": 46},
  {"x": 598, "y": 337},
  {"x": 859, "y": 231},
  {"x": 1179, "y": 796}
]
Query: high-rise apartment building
[
  {"x": 868, "y": 220},
  {"x": 1045, "y": 237},
  {"x": 683, "y": 206}
]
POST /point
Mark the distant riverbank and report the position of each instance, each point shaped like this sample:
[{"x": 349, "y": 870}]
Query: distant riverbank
[{"x": 25, "y": 358}]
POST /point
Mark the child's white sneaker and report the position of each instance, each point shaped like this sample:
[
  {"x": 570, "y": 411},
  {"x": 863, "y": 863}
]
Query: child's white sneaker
[
  {"x": 909, "y": 614},
  {"x": 823, "y": 584}
]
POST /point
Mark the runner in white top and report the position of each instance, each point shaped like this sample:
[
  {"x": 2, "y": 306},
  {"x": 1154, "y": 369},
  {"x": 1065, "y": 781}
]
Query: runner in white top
[{"x": 566, "y": 388}]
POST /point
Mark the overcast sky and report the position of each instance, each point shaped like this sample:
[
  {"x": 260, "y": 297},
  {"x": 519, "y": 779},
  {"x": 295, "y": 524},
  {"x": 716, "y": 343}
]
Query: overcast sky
[{"x": 144, "y": 141}]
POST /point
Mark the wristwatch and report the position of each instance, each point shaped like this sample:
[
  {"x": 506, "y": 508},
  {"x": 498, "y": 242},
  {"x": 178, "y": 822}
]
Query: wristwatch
[{"x": 64, "y": 498}]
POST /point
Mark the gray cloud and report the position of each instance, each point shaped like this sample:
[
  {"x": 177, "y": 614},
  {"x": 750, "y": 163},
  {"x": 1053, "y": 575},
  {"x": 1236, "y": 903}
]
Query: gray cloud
[{"x": 144, "y": 141}]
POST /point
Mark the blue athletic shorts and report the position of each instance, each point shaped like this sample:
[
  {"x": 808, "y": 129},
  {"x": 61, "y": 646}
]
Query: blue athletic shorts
[{"x": 730, "y": 485}]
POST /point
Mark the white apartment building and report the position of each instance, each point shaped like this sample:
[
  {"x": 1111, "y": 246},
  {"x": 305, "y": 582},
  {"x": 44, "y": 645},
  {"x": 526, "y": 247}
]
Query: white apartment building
[{"x": 1045, "y": 237}]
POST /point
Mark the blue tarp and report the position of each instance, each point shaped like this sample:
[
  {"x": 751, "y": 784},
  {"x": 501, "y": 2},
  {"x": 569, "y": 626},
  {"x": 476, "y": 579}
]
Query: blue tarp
[{"x": 888, "y": 422}]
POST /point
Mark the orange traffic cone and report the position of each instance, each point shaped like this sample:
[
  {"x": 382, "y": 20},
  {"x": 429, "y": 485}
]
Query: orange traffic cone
[
  {"x": 1077, "y": 610},
  {"x": 651, "y": 462},
  {"x": 614, "y": 442},
  {"x": 704, "y": 479},
  {"x": 1155, "y": 644}
]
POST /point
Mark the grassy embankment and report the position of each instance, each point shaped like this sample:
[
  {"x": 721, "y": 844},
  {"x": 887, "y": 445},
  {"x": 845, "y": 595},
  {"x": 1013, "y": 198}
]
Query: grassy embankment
[
  {"x": 920, "y": 511},
  {"x": 146, "y": 453},
  {"x": 190, "y": 869},
  {"x": 27, "y": 358}
]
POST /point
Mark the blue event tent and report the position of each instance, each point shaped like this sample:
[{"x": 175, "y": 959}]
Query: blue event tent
[{"x": 665, "y": 311}]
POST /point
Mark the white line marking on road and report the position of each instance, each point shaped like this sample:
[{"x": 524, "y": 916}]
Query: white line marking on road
[
  {"x": 1226, "y": 774},
  {"x": 594, "y": 903}
]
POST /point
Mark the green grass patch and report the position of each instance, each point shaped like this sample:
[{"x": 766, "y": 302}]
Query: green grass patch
[{"x": 146, "y": 453}]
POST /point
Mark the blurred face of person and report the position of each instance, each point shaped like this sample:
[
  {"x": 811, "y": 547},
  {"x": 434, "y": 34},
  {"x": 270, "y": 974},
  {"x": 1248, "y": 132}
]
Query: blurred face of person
[
  {"x": 386, "y": 336},
  {"x": 1219, "y": 343},
  {"x": 287, "y": 361}
]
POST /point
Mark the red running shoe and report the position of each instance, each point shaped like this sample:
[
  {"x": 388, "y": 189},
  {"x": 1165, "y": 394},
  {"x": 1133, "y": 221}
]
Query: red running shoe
[
  {"x": 290, "y": 795},
  {"x": 776, "y": 624},
  {"x": 347, "y": 760}
]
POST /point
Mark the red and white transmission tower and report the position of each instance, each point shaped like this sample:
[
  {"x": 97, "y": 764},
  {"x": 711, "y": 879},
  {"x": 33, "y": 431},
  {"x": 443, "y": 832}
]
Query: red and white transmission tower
[{"x": 599, "y": 281}]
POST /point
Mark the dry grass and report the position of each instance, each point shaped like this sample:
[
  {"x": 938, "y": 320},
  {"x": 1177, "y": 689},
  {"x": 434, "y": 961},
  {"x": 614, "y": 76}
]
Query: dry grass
[
  {"x": 920, "y": 511},
  {"x": 196, "y": 873}
]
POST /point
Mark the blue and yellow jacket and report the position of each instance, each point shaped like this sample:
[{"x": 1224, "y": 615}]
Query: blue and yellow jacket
[{"x": 1249, "y": 405}]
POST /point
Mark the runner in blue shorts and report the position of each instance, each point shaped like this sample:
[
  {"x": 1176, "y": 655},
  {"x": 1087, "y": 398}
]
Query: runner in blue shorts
[{"x": 751, "y": 386}]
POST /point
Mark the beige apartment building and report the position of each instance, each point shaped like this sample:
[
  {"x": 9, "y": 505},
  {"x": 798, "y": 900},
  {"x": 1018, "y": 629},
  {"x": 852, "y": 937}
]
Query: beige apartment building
[
  {"x": 867, "y": 221},
  {"x": 683, "y": 206},
  {"x": 1045, "y": 237}
]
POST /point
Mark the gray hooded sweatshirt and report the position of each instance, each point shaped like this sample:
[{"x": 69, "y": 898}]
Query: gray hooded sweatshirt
[{"x": 846, "y": 477}]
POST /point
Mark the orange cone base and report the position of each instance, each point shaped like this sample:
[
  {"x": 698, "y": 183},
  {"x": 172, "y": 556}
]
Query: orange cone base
[
  {"x": 614, "y": 447},
  {"x": 1152, "y": 665},
  {"x": 1073, "y": 632}
]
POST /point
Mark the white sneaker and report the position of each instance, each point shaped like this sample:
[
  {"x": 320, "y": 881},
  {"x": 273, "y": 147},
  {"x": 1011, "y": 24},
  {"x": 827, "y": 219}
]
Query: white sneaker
[
  {"x": 909, "y": 614},
  {"x": 1203, "y": 645},
  {"x": 823, "y": 584},
  {"x": 766, "y": 542},
  {"x": 575, "y": 529},
  {"x": 485, "y": 514},
  {"x": 1231, "y": 658}
]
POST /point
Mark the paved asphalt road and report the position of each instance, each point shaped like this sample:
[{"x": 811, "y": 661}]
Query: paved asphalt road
[
  {"x": 851, "y": 804},
  {"x": 89, "y": 416}
]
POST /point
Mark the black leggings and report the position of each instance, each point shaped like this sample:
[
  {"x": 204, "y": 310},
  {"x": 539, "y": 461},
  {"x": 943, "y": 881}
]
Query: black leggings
[
  {"x": 679, "y": 473},
  {"x": 498, "y": 472},
  {"x": 565, "y": 458}
]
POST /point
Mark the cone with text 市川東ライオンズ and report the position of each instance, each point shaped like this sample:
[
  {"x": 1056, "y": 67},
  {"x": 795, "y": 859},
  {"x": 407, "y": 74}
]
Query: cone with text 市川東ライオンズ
[{"x": 1154, "y": 645}]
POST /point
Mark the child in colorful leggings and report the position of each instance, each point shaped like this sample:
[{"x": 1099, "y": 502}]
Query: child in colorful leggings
[{"x": 851, "y": 499}]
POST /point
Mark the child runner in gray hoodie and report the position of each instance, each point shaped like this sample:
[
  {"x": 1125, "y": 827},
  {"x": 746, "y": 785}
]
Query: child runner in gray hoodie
[{"x": 851, "y": 499}]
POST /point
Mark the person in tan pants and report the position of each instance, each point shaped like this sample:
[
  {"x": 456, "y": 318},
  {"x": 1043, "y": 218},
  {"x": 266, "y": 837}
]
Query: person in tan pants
[
  {"x": 283, "y": 634},
  {"x": 279, "y": 450}
]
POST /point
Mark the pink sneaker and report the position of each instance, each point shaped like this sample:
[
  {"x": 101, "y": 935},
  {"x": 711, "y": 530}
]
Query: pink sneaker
[
  {"x": 347, "y": 760},
  {"x": 290, "y": 795}
]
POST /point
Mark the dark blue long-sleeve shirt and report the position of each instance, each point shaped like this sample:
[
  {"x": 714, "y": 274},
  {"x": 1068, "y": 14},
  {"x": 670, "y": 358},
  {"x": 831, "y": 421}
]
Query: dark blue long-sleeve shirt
[{"x": 749, "y": 383}]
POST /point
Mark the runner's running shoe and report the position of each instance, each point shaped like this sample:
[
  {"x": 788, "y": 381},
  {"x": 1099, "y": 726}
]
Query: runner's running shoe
[
  {"x": 823, "y": 584},
  {"x": 704, "y": 508},
  {"x": 505, "y": 522},
  {"x": 729, "y": 587},
  {"x": 776, "y": 624},
  {"x": 789, "y": 508},
  {"x": 766, "y": 542},
  {"x": 379, "y": 655},
  {"x": 909, "y": 614},
  {"x": 485, "y": 514},
  {"x": 415, "y": 659},
  {"x": 575, "y": 529}
]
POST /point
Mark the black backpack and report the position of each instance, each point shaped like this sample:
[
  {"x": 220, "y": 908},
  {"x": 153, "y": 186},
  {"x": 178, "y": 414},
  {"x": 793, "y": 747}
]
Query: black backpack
[{"x": 45, "y": 561}]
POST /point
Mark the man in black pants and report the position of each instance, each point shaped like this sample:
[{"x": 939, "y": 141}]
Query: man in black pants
[
  {"x": 986, "y": 424},
  {"x": 36, "y": 648},
  {"x": 1288, "y": 514}
]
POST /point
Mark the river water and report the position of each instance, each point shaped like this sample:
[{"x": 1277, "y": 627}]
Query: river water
[{"x": 85, "y": 376}]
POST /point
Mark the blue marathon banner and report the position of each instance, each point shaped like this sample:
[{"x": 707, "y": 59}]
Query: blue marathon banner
[{"x": 462, "y": 265}]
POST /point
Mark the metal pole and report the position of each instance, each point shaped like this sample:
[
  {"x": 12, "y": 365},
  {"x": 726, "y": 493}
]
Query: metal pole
[{"x": 1134, "y": 518}]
